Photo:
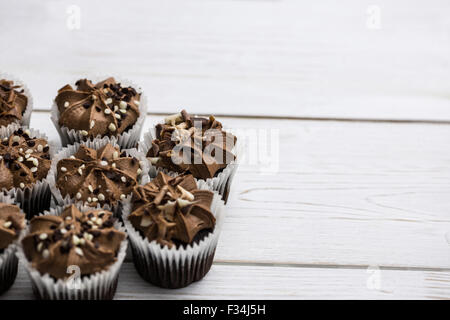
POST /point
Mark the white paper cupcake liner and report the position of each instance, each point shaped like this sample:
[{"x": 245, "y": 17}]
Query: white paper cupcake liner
[
  {"x": 221, "y": 183},
  {"x": 27, "y": 113},
  {"x": 8, "y": 259},
  {"x": 126, "y": 140},
  {"x": 36, "y": 198},
  {"x": 175, "y": 267},
  {"x": 60, "y": 200},
  {"x": 98, "y": 286}
]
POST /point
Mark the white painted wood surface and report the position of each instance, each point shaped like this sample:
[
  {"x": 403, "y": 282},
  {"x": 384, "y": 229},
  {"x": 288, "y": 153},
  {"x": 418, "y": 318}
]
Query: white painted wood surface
[
  {"x": 280, "y": 58},
  {"x": 348, "y": 196},
  {"x": 232, "y": 282}
]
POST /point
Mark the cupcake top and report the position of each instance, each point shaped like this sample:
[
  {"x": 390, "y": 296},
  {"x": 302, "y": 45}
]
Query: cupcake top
[
  {"x": 12, "y": 221},
  {"x": 105, "y": 108},
  {"x": 100, "y": 176},
  {"x": 194, "y": 145},
  {"x": 23, "y": 160},
  {"x": 172, "y": 211},
  {"x": 13, "y": 102},
  {"x": 85, "y": 239}
]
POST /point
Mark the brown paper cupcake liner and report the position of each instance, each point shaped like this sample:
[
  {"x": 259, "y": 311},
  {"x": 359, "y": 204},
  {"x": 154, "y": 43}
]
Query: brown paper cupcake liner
[
  {"x": 126, "y": 140},
  {"x": 99, "y": 286},
  {"x": 60, "y": 200},
  {"x": 221, "y": 183},
  {"x": 36, "y": 198},
  {"x": 175, "y": 267},
  {"x": 8, "y": 259}
]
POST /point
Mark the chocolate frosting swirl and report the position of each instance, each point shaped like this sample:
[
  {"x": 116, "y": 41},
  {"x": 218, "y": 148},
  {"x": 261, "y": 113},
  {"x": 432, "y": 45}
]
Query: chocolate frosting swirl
[
  {"x": 98, "y": 176},
  {"x": 23, "y": 160},
  {"x": 13, "y": 102},
  {"x": 105, "y": 109},
  {"x": 171, "y": 211},
  {"x": 12, "y": 221},
  {"x": 85, "y": 239},
  {"x": 192, "y": 144}
]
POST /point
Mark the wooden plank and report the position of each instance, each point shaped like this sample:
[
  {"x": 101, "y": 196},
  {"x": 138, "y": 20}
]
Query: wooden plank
[
  {"x": 233, "y": 282},
  {"x": 277, "y": 58},
  {"x": 346, "y": 193}
]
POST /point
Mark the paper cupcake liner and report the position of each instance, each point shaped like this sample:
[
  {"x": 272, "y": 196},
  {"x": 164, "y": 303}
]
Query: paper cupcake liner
[
  {"x": 60, "y": 200},
  {"x": 221, "y": 183},
  {"x": 126, "y": 140},
  {"x": 176, "y": 267},
  {"x": 36, "y": 198},
  {"x": 27, "y": 113},
  {"x": 99, "y": 286},
  {"x": 8, "y": 259}
]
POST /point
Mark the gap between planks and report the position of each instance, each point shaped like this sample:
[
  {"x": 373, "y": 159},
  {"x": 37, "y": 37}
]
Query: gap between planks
[
  {"x": 323, "y": 266},
  {"x": 237, "y": 116}
]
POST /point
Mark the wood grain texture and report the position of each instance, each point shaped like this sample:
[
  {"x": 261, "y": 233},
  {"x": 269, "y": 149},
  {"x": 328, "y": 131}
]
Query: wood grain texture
[
  {"x": 233, "y": 282},
  {"x": 278, "y": 58},
  {"x": 347, "y": 194}
]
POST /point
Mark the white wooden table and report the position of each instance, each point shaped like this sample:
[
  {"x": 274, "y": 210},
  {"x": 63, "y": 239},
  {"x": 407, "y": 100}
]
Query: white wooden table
[{"x": 360, "y": 204}]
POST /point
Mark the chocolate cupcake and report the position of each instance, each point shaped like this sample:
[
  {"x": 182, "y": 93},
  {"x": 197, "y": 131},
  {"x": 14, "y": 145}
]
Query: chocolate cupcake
[
  {"x": 196, "y": 145},
  {"x": 16, "y": 102},
  {"x": 25, "y": 160},
  {"x": 107, "y": 108},
  {"x": 12, "y": 222},
  {"x": 173, "y": 227},
  {"x": 96, "y": 172},
  {"x": 79, "y": 239}
]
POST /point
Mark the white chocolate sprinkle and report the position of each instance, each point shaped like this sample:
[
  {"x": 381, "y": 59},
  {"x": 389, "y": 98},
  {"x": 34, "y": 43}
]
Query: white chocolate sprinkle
[
  {"x": 7, "y": 224},
  {"x": 146, "y": 221},
  {"x": 112, "y": 127},
  {"x": 78, "y": 195},
  {"x": 66, "y": 104},
  {"x": 103, "y": 163},
  {"x": 108, "y": 101},
  {"x": 107, "y": 111},
  {"x": 45, "y": 254},
  {"x": 84, "y": 132},
  {"x": 33, "y": 169},
  {"x": 90, "y": 188},
  {"x": 92, "y": 124},
  {"x": 43, "y": 236},
  {"x": 40, "y": 148},
  {"x": 115, "y": 155},
  {"x": 101, "y": 197},
  {"x": 122, "y": 196},
  {"x": 40, "y": 246},
  {"x": 78, "y": 251},
  {"x": 63, "y": 169},
  {"x": 123, "y": 105},
  {"x": 22, "y": 185},
  {"x": 123, "y": 179},
  {"x": 76, "y": 240}
]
